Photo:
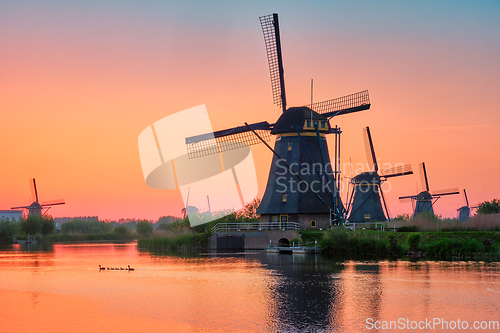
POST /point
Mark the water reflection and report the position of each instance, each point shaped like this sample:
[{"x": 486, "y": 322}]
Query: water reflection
[{"x": 60, "y": 288}]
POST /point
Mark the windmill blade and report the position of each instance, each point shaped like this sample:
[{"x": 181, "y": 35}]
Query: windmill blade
[
  {"x": 405, "y": 198},
  {"x": 423, "y": 177},
  {"x": 465, "y": 199},
  {"x": 370, "y": 152},
  {"x": 448, "y": 191},
  {"x": 271, "y": 30},
  {"x": 26, "y": 207},
  {"x": 34, "y": 192},
  {"x": 225, "y": 140},
  {"x": 400, "y": 170},
  {"x": 342, "y": 105},
  {"x": 53, "y": 202},
  {"x": 385, "y": 204}
]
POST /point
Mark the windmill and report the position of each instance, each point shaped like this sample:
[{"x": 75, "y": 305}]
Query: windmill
[
  {"x": 367, "y": 191},
  {"x": 424, "y": 201},
  {"x": 35, "y": 209},
  {"x": 302, "y": 184},
  {"x": 464, "y": 211}
]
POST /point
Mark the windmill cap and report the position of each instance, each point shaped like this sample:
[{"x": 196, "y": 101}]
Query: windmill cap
[
  {"x": 366, "y": 178},
  {"x": 35, "y": 205},
  {"x": 424, "y": 196},
  {"x": 296, "y": 116}
]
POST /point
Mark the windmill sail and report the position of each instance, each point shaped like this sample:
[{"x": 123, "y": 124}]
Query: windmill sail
[
  {"x": 448, "y": 191},
  {"x": 396, "y": 171},
  {"x": 228, "y": 139},
  {"x": 342, "y": 105},
  {"x": 423, "y": 177},
  {"x": 270, "y": 28},
  {"x": 370, "y": 151},
  {"x": 34, "y": 193},
  {"x": 53, "y": 202}
]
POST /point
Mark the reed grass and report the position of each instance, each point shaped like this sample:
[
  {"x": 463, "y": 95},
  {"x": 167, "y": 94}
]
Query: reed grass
[{"x": 430, "y": 222}]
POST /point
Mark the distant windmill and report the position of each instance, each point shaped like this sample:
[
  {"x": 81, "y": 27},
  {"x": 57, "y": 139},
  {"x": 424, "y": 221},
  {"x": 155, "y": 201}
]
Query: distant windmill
[
  {"x": 367, "y": 205},
  {"x": 35, "y": 209},
  {"x": 424, "y": 201},
  {"x": 300, "y": 141},
  {"x": 464, "y": 211}
]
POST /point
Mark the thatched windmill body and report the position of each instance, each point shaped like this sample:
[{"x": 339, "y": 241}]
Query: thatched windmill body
[
  {"x": 365, "y": 204},
  {"x": 303, "y": 183}
]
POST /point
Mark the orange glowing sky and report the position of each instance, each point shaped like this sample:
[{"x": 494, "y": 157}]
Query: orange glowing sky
[{"x": 79, "y": 81}]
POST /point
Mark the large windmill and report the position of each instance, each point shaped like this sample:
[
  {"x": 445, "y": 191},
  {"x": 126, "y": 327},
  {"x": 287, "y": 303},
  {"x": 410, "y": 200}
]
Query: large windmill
[
  {"x": 424, "y": 201},
  {"x": 366, "y": 205},
  {"x": 302, "y": 184},
  {"x": 35, "y": 209}
]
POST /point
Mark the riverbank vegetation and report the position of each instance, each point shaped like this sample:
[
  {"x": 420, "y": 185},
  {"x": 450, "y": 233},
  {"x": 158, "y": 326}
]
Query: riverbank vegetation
[
  {"x": 425, "y": 235},
  {"x": 179, "y": 235},
  {"x": 43, "y": 228}
]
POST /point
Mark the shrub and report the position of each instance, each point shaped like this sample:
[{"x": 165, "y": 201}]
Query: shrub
[
  {"x": 394, "y": 246},
  {"x": 413, "y": 240}
]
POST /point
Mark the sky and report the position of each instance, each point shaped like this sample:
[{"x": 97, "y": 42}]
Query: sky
[{"x": 80, "y": 80}]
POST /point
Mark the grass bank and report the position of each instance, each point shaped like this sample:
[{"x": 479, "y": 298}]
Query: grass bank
[{"x": 440, "y": 244}]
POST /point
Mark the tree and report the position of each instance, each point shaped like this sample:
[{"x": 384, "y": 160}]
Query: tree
[
  {"x": 48, "y": 225},
  {"x": 488, "y": 207},
  {"x": 249, "y": 213},
  {"x": 33, "y": 225},
  {"x": 8, "y": 230},
  {"x": 144, "y": 228}
]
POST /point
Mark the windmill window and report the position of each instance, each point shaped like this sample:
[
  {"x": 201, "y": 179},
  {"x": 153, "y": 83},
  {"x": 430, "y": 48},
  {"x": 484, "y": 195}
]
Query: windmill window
[
  {"x": 323, "y": 124},
  {"x": 284, "y": 197},
  {"x": 367, "y": 216},
  {"x": 275, "y": 219},
  {"x": 308, "y": 123},
  {"x": 313, "y": 224},
  {"x": 289, "y": 145},
  {"x": 283, "y": 218},
  {"x": 315, "y": 123}
]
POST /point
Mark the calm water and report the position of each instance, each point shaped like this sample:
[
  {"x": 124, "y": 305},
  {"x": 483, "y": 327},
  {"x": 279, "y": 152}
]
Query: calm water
[{"x": 59, "y": 288}]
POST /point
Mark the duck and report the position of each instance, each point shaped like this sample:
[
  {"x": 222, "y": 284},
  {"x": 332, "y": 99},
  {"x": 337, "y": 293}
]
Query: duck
[
  {"x": 108, "y": 268},
  {"x": 102, "y": 268},
  {"x": 129, "y": 268},
  {"x": 122, "y": 269}
]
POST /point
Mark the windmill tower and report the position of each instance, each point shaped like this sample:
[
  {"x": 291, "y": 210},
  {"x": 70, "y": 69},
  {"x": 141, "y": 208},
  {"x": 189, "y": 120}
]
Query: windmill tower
[
  {"x": 424, "y": 201},
  {"x": 366, "y": 205},
  {"x": 303, "y": 184},
  {"x": 35, "y": 209},
  {"x": 464, "y": 211}
]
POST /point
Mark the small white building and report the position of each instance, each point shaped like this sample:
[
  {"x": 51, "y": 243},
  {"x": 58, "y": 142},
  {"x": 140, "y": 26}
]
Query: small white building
[{"x": 11, "y": 214}]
